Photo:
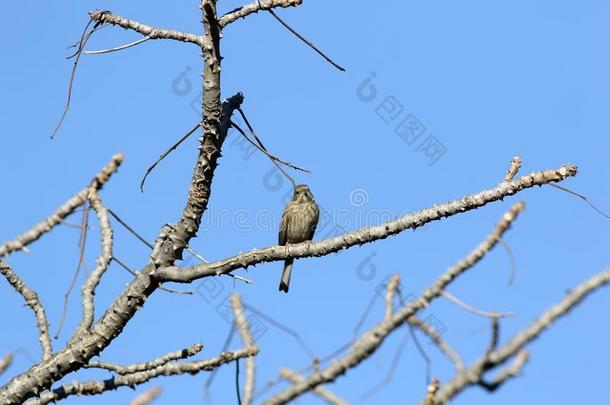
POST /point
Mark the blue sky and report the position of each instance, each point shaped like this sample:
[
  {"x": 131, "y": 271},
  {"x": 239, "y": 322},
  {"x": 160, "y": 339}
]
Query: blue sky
[{"x": 488, "y": 80}]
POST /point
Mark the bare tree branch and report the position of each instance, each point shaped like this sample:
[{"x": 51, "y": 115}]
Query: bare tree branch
[
  {"x": 366, "y": 345},
  {"x": 365, "y": 235},
  {"x": 6, "y": 362},
  {"x": 88, "y": 289},
  {"x": 107, "y": 17},
  {"x": 62, "y": 212},
  {"x": 515, "y": 165},
  {"x": 322, "y": 392},
  {"x": 244, "y": 331},
  {"x": 509, "y": 372},
  {"x": 306, "y": 41},
  {"x": 130, "y": 380},
  {"x": 147, "y": 396},
  {"x": 167, "y": 152},
  {"x": 474, "y": 374},
  {"x": 438, "y": 341},
  {"x": 390, "y": 294},
  {"x": 149, "y": 365},
  {"x": 433, "y": 388},
  {"x": 473, "y": 310},
  {"x": 117, "y": 48},
  {"x": 31, "y": 299},
  {"x": 255, "y": 7}
]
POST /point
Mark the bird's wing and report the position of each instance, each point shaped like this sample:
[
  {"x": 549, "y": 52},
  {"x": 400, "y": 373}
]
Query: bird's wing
[
  {"x": 314, "y": 222},
  {"x": 283, "y": 235}
]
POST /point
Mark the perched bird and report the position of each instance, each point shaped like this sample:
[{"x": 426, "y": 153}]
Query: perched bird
[{"x": 298, "y": 224}]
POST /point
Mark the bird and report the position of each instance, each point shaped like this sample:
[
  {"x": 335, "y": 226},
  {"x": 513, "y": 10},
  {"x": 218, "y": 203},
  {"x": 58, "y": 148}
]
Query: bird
[{"x": 298, "y": 224}]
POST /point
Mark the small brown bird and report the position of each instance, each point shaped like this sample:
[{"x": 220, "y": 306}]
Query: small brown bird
[{"x": 298, "y": 224}]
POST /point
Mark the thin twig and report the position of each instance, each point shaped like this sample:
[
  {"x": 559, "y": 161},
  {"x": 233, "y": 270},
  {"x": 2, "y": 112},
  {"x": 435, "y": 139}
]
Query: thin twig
[
  {"x": 237, "y": 382},
  {"x": 167, "y": 152},
  {"x": 582, "y": 197},
  {"x": 118, "y": 48},
  {"x": 81, "y": 44},
  {"x": 80, "y": 264},
  {"x": 265, "y": 151},
  {"x": 473, "y": 310},
  {"x": 129, "y": 228},
  {"x": 225, "y": 347},
  {"x": 513, "y": 264},
  {"x": 276, "y": 164},
  {"x": 311, "y": 45},
  {"x": 391, "y": 370}
]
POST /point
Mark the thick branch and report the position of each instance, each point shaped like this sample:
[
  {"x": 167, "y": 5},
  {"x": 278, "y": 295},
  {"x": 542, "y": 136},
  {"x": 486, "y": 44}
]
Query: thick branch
[
  {"x": 367, "y": 235},
  {"x": 365, "y": 346},
  {"x": 150, "y": 32},
  {"x": 130, "y": 380},
  {"x": 31, "y": 299},
  {"x": 149, "y": 365},
  {"x": 62, "y": 212},
  {"x": 255, "y": 7}
]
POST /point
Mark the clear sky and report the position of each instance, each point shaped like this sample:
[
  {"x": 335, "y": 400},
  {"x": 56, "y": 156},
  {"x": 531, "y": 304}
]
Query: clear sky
[{"x": 485, "y": 80}]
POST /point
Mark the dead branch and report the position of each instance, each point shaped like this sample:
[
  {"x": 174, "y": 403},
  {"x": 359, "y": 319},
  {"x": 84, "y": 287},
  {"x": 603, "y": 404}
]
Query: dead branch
[
  {"x": 31, "y": 299},
  {"x": 107, "y": 17},
  {"x": 255, "y": 7},
  {"x": 149, "y": 365},
  {"x": 62, "y": 212},
  {"x": 147, "y": 397},
  {"x": 366, "y": 235},
  {"x": 130, "y": 380},
  {"x": 366, "y": 345},
  {"x": 244, "y": 331}
]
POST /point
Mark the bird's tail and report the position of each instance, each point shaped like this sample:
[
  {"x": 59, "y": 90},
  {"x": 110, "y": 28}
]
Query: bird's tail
[{"x": 285, "y": 281}]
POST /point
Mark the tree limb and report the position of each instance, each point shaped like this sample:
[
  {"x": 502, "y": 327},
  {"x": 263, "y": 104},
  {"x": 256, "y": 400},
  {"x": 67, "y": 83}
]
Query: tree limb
[
  {"x": 244, "y": 331},
  {"x": 149, "y": 365},
  {"x": 474, "y": 374},
  {"x": 62, "y": 212},
  {"x": 366, "y": 235},
  {"x": 31, "y": 299},
  {"x": 366, "y": 345},
  {"x": 88, "y": 289},
  {"x": 130, "y": 380},
  {"x": 107, "y": 17},
  {"x": 322, "y": 392},
  {"x": 255, "y": 7}
]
